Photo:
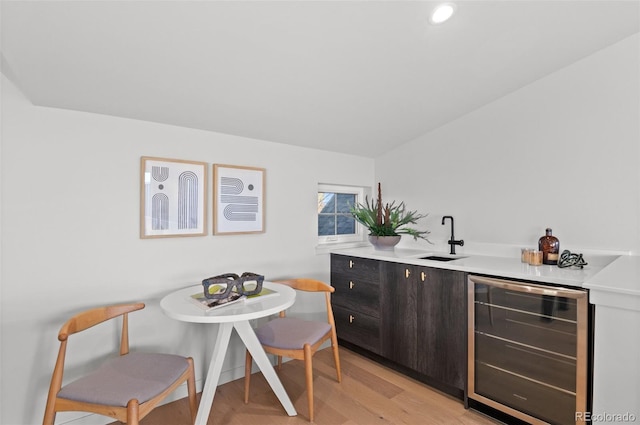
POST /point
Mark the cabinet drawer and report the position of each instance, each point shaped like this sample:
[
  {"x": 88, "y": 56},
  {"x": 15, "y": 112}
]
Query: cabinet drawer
[
  {"x": 363, "y": 268},
  {"x": 358, "y": 328},
  {"x": 355, "y": 294}
]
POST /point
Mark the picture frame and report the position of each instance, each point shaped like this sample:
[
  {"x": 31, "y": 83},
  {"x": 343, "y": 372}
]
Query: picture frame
[
  {"x": 173, "y": 197},
  {"x": 238, "y": 199}
]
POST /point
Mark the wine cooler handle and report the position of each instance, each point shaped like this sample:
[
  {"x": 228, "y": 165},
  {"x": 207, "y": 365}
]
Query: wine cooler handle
[{"x": 530, "y": 288}]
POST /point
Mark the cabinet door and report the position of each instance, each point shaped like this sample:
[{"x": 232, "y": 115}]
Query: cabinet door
[
  {"x": 398, "y": 319},
  {"x": 442, "y": 325},
  {"x": 357, "y": 328},
  {"x": 363, "y": 268},
  {"x": 355, "y": 294}
]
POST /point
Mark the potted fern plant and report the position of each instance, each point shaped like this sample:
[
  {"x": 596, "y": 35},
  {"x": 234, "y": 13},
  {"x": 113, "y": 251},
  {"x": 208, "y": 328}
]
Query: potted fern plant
[{"x": 387, "y": 223}]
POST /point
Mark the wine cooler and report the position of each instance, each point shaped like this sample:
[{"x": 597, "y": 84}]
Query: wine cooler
[{"x": 528, "y": 350}]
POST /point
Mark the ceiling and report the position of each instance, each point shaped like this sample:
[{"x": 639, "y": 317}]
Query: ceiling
[{"x": 358, "y": 77}]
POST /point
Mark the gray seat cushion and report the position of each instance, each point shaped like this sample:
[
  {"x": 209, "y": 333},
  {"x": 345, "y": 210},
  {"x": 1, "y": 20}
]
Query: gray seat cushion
[
  {"x": 291, "y": 333},
  {"x": 136, "y": 375}
]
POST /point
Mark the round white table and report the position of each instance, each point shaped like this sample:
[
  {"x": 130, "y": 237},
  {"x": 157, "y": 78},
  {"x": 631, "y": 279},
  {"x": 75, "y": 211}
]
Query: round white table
[{"x": 178, "y": 306}]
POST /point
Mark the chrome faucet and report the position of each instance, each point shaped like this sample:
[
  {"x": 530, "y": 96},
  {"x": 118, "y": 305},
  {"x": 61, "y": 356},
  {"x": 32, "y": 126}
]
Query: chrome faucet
[{"x": 453, "y": 242}]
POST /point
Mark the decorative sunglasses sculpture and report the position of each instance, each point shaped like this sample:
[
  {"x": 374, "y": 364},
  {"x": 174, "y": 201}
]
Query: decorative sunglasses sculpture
[{"x": 230, "y": 285}]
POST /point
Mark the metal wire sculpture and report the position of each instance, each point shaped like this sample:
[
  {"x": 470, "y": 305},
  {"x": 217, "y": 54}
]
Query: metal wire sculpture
[{"x": 567, "y": 259}]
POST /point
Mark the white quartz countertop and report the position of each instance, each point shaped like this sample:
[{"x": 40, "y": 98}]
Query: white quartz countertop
[
  {"x": 506, "y": 267},
  {"x": 618, "y": 284}
]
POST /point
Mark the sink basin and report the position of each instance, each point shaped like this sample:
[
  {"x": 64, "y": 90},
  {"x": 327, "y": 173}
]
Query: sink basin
[{"x": 439, "y": 258}]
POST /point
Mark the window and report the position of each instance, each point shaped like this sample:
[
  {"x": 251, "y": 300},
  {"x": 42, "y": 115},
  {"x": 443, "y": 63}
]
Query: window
[{"x": 335, "y": 223}]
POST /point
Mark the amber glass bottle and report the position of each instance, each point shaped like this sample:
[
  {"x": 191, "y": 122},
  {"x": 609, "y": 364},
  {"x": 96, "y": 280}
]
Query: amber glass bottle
[{"x": 550, "y": 247}]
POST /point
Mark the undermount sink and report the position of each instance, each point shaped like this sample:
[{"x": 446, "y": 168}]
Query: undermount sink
[{"x": 439, "y": 258}]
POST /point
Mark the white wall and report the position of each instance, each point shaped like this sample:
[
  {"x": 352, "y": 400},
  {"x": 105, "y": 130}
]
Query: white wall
[
  {"x": 563, "y": 152},
  {"x": 70, "y": 235}
]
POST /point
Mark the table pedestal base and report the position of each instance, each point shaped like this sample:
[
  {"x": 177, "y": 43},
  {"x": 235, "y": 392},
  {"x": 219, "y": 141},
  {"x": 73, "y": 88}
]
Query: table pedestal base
[{"x": 250, "y": 340}]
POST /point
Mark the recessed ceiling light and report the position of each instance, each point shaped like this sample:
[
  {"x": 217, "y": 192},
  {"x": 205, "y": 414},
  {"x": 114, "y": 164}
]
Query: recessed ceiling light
[{"x": 442, "y": 13}]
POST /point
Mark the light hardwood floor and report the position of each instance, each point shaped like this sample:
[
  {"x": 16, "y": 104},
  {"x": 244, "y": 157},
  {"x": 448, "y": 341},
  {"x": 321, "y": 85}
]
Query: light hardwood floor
[{"x": 369, "y": 394}]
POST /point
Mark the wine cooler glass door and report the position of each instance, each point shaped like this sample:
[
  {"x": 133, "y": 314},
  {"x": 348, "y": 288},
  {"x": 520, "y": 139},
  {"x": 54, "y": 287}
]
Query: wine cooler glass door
[{"x": 527, "y": 349}]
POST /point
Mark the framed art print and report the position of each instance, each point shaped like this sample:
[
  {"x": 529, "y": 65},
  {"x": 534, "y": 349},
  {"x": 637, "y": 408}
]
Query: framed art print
[
  {"x": 173, "y": 198},
  {"x": 238, "y": 199}
]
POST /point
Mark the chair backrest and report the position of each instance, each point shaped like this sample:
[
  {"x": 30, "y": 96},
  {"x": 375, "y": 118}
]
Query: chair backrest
[
  {"x": 95, "y": 316},
  {"x": 311, "y": 285}
]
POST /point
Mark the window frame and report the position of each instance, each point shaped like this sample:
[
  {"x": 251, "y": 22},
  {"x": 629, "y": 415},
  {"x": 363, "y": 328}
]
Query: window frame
[{"x": 335, "y": 240}]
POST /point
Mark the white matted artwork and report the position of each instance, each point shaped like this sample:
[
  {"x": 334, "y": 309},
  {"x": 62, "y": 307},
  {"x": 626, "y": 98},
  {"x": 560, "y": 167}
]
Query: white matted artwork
[
  {"x": 238, "y": 199},
  {"x": 173, "y": 198}
]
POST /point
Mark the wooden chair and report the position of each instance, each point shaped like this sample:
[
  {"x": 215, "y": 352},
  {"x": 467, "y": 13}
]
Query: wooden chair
[
  {"x": 126, "y": 387},
  {"x": 298, "y": 339}
]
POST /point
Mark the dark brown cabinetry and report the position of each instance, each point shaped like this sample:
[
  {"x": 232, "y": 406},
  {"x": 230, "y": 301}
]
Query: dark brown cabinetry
[
  {"x": 424, "y": 321},
  {"x": 399, "y": 317},
  {"x": 414, "y": 316},
  {"x": 356, "y": 301}
]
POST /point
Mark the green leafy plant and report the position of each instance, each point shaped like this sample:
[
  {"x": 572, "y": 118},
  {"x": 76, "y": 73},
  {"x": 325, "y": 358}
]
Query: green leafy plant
[{"x": 388, "y": 220}]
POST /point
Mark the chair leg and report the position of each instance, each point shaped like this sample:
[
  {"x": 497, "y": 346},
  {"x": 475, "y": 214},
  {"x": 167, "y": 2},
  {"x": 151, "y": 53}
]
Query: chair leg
[
  {"x": 247, "y": 376},
  {"x": 336, "y": 355},
  {"x": 191, "y": 389},
  {"x": 308, "y": 368},
  {"x": 279, "y": 362},
  {"x": 133, "y": 412}
]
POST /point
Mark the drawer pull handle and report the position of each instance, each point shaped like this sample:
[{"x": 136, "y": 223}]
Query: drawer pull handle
[
  {"x": 423, "y": 276},
  {"x": 519, "y": 396},
  {"x": 350, "y": 284},
  {"x": 351, "y": 319},
  {"x": 407, "y": 273},
  {"x": 350, "y": 264}
]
